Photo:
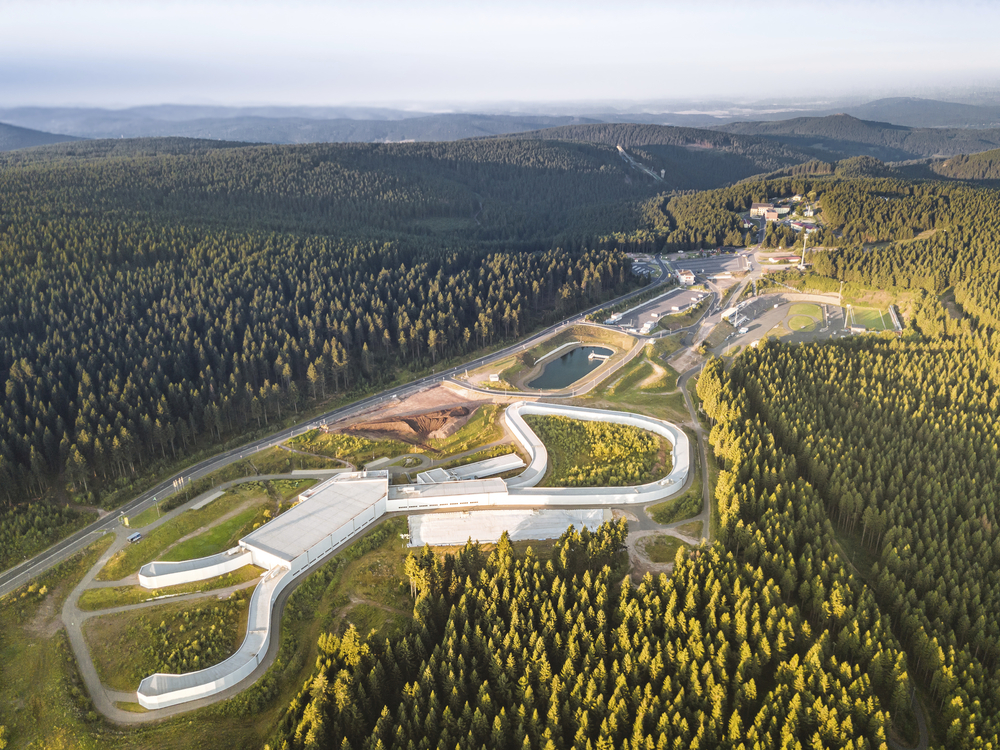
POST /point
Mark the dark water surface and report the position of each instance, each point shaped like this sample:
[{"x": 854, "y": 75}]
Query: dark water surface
[{"x": 569, "y": 368}]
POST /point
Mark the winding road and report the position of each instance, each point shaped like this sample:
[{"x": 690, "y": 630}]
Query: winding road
[{"x": 21, "y": 574}]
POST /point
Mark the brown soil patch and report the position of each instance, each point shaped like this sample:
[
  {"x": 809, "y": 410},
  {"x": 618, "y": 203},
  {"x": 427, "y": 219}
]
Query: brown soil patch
[
  {"x": 658, "y": 374},
  {"x": 686, "y": 360},
  {"x": 46, "y": 622},
  {"x": 415, "y": 429}
]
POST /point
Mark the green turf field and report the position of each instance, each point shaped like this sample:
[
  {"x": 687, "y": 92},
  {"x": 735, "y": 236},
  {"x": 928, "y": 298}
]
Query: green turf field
[
  {"x": 813, "y": 311},
  {"x": 873, "y": 320},
  {"x": 801, "y": 323}
]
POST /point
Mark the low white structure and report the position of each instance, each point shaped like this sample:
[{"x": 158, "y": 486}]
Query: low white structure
[
  {"x": 407, "y": 497},
  {"x": 156, "y": 575},
  {"x": 340, "y": 508},
  {"x": 479, "y": 470},
  {"x": 489, "y": 525},
  {"x": 164, "y": 690},
  {"x": 522, "y": 489}
]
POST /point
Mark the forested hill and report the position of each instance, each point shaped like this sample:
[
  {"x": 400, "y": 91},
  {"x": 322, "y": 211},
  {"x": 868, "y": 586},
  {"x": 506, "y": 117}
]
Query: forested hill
[
  {"x": 485, "y": 190},
  {"x": 982, "y": 166},
  {"x": 167, "y": 294},
  {"x": 13, "y": 137},
  {"x": 80, "y": 150},
  {"x": 690, "y": 158},
  {"x": 849, "y": 136}
]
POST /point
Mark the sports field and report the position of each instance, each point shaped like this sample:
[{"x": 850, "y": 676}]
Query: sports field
[
  {"x": 813, "y": 311},
  {"x": 873, "y": 320},
  {"x": 801, "y": 323}
]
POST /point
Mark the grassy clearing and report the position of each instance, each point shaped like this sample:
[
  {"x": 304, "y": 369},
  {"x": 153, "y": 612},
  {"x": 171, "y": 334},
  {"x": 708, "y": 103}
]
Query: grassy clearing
[
  {"x": 367, "y": 618},
  {"x": 661, "y": 548},
  {"x": 353, "y": 449},
  {"x": 692, "y": 528},
  {"x": 599, "y": 454},
  {"x": 801, "y": 323},
  {"x": 145, "y": 518},
  {"x": 41, "y": 694},
  {"x": 629, "y": 377},
  {"x": 873, "y": 320},
  {"x": 813, "y": 311},
  {"x": 106, "y": 597},
  {"x": 129, "y": 560},
  {"x": 174, "y": 638},
  {"x": 684, "y": 319},
  {"x": 667, "y": 381},
  {"x": 667, "y": 345},
  {"x": 684, "y": 506},
  {"x": 669, "y": 407},
  {"x": 955, "y": 311},
  {"x": 220, "y": 538},
  {"x": 275, "y": 461}
]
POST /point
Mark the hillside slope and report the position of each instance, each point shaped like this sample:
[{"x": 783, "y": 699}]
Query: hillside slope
[
  {"x": 690, "y": 158},
  {"x": 12, "y": 137},
  {"x": 981, "y": 166},
  {"x": 848, "y": 136},
  {"x": 483, "y": 190}
]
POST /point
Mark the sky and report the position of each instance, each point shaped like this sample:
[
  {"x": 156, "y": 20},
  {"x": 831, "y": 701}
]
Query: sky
[{"x": 438, "y": 54}]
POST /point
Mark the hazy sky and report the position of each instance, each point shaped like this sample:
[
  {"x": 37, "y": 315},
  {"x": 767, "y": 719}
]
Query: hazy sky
[{"x": 110, "y": 53}]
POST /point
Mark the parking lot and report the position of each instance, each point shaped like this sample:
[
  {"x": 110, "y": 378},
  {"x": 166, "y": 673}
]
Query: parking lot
[
  {"x": 651, "y": 312},
  {"x": 712, "y": 265},
  {"x": 770, "y": 315}
]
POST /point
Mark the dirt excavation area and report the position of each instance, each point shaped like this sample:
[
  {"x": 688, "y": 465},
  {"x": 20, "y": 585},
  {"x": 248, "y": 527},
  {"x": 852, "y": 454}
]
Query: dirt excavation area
[
  {"x": 433, "y": 414},
  {"x": 415, "y": 428}
]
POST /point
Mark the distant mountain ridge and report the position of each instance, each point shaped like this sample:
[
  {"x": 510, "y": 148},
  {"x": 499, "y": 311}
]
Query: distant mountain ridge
[
  {"x": 264, "y": 125},
  {"x": 847, "y": 136},
  {"x": 927, "y": 113},
  {"x": 289, "y": 124},
  {"x": 13, "y": 137}
]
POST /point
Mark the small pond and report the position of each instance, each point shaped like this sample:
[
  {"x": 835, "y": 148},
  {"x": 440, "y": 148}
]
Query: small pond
[{"x": 570, "y": 367}]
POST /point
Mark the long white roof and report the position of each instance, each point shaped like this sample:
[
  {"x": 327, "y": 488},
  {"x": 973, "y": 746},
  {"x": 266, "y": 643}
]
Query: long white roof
[{"x": 330, "y": 506}]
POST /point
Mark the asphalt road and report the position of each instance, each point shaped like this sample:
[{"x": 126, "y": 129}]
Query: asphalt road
[
  {"x": 713, "y": 264},
  {"x": 21, "y": 574}
]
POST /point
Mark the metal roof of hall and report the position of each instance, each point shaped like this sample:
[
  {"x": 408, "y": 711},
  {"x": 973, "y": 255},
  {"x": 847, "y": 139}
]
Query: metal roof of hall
[{"x": 330, "y": 506}]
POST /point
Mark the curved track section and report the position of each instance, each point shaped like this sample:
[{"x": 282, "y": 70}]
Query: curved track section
[
  {"x": 523, "y": 486},
  {"x": 351, "y": 511}
]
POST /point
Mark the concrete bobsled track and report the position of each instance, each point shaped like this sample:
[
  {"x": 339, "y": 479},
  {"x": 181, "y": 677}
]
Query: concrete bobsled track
[{"x": 336, "y": 511}]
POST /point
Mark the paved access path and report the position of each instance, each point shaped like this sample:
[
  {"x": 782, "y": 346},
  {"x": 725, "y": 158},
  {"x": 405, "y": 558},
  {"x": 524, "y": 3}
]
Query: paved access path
[
  {"x": 73, "y": 617},
  {"x": 23, "y": 573}
]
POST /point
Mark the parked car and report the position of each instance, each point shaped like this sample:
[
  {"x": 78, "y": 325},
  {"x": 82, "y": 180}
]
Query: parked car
[{"x": 135, "y": 537}]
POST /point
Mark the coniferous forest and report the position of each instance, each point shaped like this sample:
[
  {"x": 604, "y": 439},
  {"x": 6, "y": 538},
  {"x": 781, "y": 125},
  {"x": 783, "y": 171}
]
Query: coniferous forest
[
  {"x": 857, "y": 564},
  {"x": 166, "y": 295}
]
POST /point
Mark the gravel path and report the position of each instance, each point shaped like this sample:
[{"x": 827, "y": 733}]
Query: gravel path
[{"x": 73, "y": 618}]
